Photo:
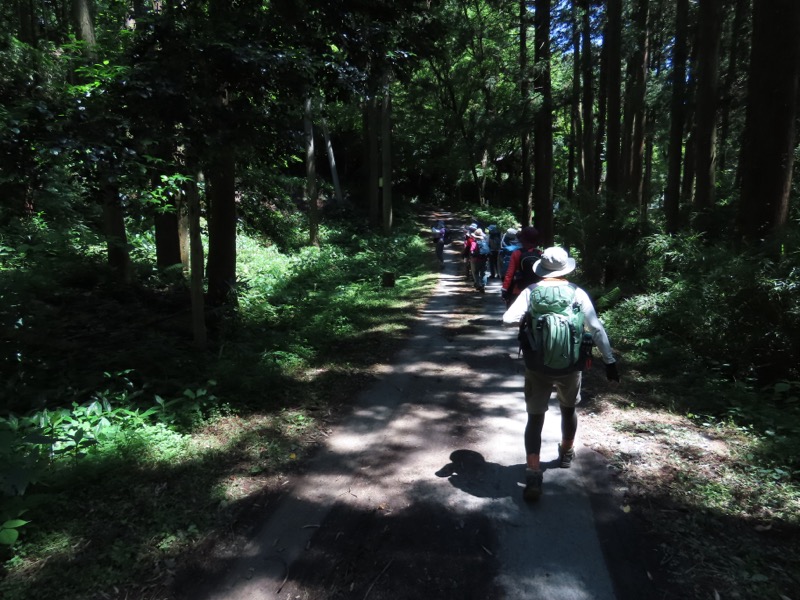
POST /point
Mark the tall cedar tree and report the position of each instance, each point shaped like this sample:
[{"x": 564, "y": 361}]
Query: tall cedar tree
[
  {"x": 677, "y": 118},
  {"x": 613, "y": 43},
  {"x": 526, "y": 208},
  {"x": 769, "y": 136},
  {"x": 709, "y": 30},
  {"x": 543, "y": 127}
]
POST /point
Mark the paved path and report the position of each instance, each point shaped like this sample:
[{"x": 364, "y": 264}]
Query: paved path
[{"x": 443, "y": 428}]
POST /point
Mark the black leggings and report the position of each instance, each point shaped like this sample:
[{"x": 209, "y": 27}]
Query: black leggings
[{"x": 533, "y": 430}]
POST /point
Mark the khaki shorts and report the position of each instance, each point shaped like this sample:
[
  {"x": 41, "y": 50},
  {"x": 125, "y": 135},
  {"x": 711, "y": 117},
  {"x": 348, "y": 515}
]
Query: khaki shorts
[{"x": 538, "y": 388}]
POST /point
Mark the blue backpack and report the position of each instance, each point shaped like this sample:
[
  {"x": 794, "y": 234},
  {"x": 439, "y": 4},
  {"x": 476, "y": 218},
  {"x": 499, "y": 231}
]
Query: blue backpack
[
  {"x": 481, "y": 248},
  {"x": 505, "y": 258}
]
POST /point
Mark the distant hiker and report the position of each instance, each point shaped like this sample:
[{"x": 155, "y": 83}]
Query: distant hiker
[
  {"x": 509, "y": 238},
  {"x": 508, "y": 243},
  {"x": 466, "y": 253},
  {"x": 440, "y": 233},
  {"x": 538, "y": 305},
  {"x": 519, "y": 274},
  {"x": 495, "y": 237},
  {"x": 479, "y": 256}
]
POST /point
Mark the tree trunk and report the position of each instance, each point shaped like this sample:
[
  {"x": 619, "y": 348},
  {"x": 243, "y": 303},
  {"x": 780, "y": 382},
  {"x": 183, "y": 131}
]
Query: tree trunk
[
  {"x": 116, "y": 237},
  {"x": 184, "y": 233},
  {"x": 708, "y": 38},
  {"x": 600, "y": 133},
  {"x": 575, "y": 130},
  {"x": 386, "y": 158},
  {"x": 526, "y": 208},
  {"x": 168, "y": 251},
  {"x": 737, "y": 41},
  {"x": 638, "y": 109},
  {"x": 677, "y": 118},
  {"x": 311, "y": 193},
  {"x": 222, "y": 230},
  {"x": 27, "y": 22},
  {"x": 192, "y": 198},
  {"x": 588, "y": 102},
  {"x": 373, "y": 170},
  {"x": 337, "y": 188},
  {"x": 543, "y": 127},
  {"x": 84, "y": 24},
  {"x": 613, "y": 43},
  {"x": 769, "y": 136},
  {"x": 687, "y": 182}
]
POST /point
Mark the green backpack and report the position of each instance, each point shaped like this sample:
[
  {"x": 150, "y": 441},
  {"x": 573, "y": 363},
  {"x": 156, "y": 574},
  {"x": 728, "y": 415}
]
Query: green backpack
[{"x": 551, "y": 333}]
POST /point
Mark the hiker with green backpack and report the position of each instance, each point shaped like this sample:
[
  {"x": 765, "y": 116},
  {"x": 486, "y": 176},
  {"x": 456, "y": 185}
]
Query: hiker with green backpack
[{"x": 553, "y": 315}]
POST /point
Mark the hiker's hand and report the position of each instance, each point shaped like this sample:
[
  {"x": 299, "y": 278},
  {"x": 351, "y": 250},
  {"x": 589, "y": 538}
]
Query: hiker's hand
[
  {"x": 504, "y": 295},
  {"x": 611, "y": 372}
]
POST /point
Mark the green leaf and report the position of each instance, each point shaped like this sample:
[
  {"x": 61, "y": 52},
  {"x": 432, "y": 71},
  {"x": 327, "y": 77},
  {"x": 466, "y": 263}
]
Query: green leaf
[
  {"x": 8, "y": 536},
  {"x": 14, "y": 523}
]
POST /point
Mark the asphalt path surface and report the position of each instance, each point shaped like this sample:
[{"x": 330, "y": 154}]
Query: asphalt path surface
[{"x": 425, "y": 478}]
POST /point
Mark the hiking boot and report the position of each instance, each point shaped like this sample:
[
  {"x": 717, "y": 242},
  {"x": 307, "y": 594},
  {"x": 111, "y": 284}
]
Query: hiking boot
[
  {"x": 533, "y": 486},
  {"x": 565, "y": 457}
]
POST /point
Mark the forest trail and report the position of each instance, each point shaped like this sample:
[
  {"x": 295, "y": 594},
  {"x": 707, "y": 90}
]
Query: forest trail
[{"x": 418, "y": 494}]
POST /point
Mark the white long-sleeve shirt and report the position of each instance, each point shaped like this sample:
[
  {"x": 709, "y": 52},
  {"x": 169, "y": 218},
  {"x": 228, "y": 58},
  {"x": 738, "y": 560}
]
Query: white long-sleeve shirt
[{"x": 517, "y": 310}]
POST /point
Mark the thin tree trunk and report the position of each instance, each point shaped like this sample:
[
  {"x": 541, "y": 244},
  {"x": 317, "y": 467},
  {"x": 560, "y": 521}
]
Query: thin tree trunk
[
  {"x": 311, "y": 193},
  {"x": 526, "y": 209},
  {"x": 386, "y": 158},
  {"x": 196, "y": 263},
  {"x": 687, "y": 182},
  {"x": 677, "y": 118},
  {"x": 222, "y": 230},
  {"x": 116, "y": 236},
  {"x": 588, "y": 102},
  {"x": 736, "y": 41},
  {"x": 638, "y": 108},
  {"x": 602, "y": 105},
  {"x": 543, "y": 127},
  {"x": 576, "y": 132},
  {"x": 184, "y": 234},
  {"x": 337, "y": 188},
  {"x": 709, "y": 31},
  {"x": 769, "y": 137},
  {"x": 614, "y": 137},
  {"x": 374, "y": 172}
]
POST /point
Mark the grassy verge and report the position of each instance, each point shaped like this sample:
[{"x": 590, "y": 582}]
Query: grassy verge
[
  {"x": 125, "y": 449},
  {"x": 708, "y": 467}
]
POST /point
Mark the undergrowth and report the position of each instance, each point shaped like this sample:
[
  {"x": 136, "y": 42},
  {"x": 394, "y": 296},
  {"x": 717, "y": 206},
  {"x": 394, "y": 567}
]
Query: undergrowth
[{"x": 120, "y": 443}]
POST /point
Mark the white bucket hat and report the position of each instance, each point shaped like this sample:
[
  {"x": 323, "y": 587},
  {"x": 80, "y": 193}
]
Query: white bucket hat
[{"x": 554, "y": 263}]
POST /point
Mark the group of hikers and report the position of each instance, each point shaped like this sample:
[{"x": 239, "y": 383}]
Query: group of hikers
[{"x": 558, "y": 327}]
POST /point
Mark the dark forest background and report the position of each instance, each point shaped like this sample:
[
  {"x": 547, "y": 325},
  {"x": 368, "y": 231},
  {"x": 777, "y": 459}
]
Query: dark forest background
[{"x": 199, "y": 201}]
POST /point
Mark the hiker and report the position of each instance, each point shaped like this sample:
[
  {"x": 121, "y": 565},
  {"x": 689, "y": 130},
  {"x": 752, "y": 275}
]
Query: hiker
[
  {"x": 509, "y": 238},
  {"x": 540, "y": 380},
  {"x": 493, "y": 233},
  {"x": 519, "y": 273},
  {"x": 439, "y": 238},
  {"x": 479, "y": 255},
  {"x": 466, "y": 253},
  {"x": 508, "y": 243}
]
